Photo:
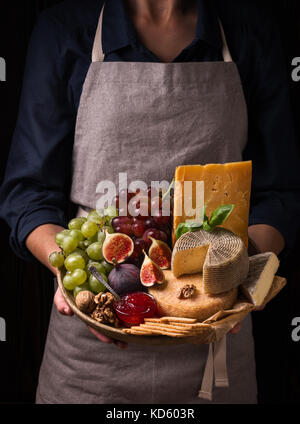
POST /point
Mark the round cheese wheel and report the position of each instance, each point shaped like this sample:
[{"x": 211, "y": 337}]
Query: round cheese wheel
[
  {"x": 220, "y": 255},
  {"x": 200, "y": 305}
]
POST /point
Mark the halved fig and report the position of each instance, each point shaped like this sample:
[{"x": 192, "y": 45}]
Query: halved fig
[
  {"x": 117, "y": 247},
  {"x": 160, "y": 253},
  {"x": 151, "y": 273}
]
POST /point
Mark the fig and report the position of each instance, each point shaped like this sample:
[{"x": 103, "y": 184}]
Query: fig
[
  {"x": 151, "y": 273},
  {"x": 160, "y": 253},
  {"x": 117, "y": 247},
  {"x": 124, "y": 279}
]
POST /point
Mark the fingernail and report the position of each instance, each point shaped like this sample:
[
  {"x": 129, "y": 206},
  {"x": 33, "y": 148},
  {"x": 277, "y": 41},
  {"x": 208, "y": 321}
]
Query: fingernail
[
  {"x": 119, "y": 344},
  {"x": 66, "y": 311}
]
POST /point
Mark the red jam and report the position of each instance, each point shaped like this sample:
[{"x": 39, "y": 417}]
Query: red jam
[{"x": 134, "y": 307}]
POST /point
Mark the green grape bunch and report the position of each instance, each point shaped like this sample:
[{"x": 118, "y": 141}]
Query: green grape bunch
[{"x": 81, "y": 246}]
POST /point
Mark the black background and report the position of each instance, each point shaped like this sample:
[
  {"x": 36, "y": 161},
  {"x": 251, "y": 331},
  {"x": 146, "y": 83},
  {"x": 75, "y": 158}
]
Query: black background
[{"x": 26, "y": 288}]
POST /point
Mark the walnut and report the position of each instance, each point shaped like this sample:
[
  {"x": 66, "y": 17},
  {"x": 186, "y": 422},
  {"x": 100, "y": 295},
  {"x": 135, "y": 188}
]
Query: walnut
[
  {"x": 187, "y": 291},
  {"x": 85, "y": 301},
  {"x": 104, "y": 312},
  {"x": 104, "y": 299}
]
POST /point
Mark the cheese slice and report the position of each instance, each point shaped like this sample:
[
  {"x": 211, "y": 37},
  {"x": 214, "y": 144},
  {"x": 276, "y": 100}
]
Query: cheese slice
[
  {"x": 222, "y": 184},
  {"x": 200, "y": 306},
  {"x": 220, "y": 255},
  {"x": 262, "y": 269}
]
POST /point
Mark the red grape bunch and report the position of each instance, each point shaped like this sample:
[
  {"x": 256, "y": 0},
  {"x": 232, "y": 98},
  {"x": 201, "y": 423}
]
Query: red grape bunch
[{"x": 136, "y": 221}]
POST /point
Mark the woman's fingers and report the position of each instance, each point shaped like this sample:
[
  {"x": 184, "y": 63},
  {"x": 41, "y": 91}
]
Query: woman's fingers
[
  {"x": 100, "y": 336},
  {"x": 106, "y": 339},
  {"x": 61, "y": 304},
  {"x": 236, "y": 329}
]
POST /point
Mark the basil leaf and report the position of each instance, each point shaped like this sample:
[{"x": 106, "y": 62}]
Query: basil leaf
[
  {"x": 180, "y": 230},
  {"x": 187, "y": 227},
  {"x": 193, "y": 225},
  {"x": 203, "y": 214},
  {"x": 220, "y": 215},
  {"x": 206, "y": 226}
]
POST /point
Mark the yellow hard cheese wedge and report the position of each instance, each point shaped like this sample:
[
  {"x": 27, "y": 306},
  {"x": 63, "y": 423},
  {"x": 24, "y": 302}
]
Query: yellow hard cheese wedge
[
  {"x": 220, "y": 256},
  {"x": 228, "y": 183}
]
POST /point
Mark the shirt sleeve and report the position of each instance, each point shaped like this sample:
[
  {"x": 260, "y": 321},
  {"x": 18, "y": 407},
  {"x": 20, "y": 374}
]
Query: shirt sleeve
[
  {"x": 272, "y": 143},
  {"x": 37, "y": 179}
]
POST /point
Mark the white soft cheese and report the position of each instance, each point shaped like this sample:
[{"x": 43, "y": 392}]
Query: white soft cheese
[{"x": 262, "y": 269}]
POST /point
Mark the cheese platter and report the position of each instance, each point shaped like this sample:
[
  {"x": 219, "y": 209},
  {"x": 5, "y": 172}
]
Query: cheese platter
[{"x": 153, "y": 279}]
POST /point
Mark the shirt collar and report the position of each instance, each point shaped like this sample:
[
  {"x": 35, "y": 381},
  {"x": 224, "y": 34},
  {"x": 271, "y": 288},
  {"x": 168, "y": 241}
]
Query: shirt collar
[{"x": 118, "y": 32}]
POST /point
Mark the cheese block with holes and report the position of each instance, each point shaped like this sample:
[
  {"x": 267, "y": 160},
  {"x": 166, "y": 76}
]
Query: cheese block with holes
[
  {"x": 228, "y": 183},
  {"x": 200, "y": 305},
  {"x": 220, "y": 255}
]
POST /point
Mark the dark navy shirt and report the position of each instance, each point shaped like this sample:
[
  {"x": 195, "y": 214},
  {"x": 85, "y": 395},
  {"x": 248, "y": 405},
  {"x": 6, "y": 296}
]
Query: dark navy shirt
[{"x": 37, "y": 182}]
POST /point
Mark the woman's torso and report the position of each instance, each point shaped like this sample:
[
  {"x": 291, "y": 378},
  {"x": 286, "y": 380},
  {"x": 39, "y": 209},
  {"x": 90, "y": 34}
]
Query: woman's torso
[{"x": 147, "y": 118}]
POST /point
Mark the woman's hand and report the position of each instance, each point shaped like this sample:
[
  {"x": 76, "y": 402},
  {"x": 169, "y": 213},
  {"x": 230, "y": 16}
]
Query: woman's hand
[
  {"x": 64, "y": 309},
  {"x": 237, "y": 328},
  {"x": 266, "y": 239},
  {"x": 41, "y": 243},
  {"x": 61, "y": 305},
  {"x": 106, "y": 339}
]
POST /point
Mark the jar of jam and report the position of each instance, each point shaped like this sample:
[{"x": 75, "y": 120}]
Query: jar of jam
[{"x": 133, "y": 308}]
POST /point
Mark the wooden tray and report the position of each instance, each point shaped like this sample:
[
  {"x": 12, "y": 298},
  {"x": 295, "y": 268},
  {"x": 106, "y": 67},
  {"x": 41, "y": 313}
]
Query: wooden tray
[
  {"x": 116, "y": 333},
  {"x": 213, "y": 330}
]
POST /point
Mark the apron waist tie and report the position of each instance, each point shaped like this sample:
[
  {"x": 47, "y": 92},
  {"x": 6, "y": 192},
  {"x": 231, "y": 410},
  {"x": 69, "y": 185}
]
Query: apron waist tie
[{"x": 215, "y": 366}]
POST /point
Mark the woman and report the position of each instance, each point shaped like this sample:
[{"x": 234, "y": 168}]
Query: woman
[{"x": 162, "y": 78}]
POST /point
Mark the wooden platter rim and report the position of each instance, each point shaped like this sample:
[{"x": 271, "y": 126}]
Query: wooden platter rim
[{"x": 117, "y": 333}]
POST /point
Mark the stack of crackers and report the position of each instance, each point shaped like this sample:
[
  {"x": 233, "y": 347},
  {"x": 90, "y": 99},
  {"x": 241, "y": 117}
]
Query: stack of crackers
[{"x": 168, "y": 326}]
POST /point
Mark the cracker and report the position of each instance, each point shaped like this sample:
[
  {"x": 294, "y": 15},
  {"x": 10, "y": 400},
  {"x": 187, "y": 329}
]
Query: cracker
[
  {"x": 168, "y": 326},
  {"x": 164, "y": 327},
  {"x": 155, "y": 332},
  {"x": 163, "y": 330},
  {"x": 139, "y": 332},
  {"x": 158, "y": 332},
  {"x": 171, "y": 334},
  {"x": 179, "y": 319},
  {"x": 183, "y": 325},
  {"x": 181, "y": 330}
]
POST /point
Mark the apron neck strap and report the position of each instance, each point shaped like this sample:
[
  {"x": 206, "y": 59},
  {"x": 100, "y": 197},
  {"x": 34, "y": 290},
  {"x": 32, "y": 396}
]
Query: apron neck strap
[
  {"x": 226, "y": 53},
  {"x": 98, "y": 55}
]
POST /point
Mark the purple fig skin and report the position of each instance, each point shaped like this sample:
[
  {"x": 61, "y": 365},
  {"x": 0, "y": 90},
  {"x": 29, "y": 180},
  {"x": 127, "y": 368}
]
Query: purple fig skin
[{"x": 125, "y": 279}]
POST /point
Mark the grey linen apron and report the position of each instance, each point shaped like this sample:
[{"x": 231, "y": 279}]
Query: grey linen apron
[{"x": 145, "y": 119}]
